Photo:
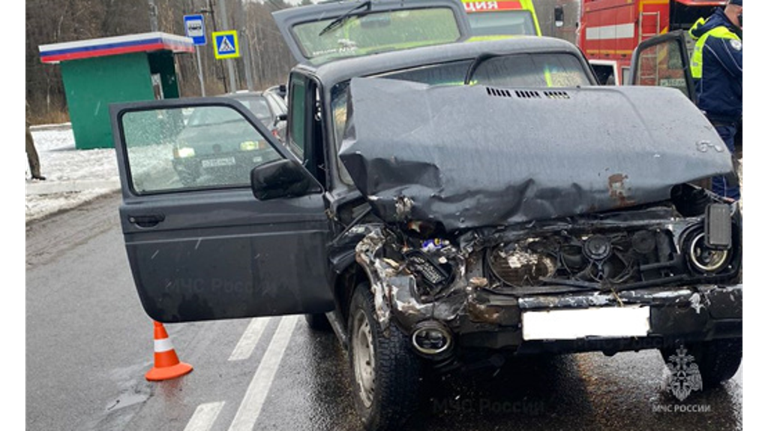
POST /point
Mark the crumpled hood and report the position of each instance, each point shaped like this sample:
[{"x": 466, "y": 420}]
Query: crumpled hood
[{"x": 473, "y": 156}]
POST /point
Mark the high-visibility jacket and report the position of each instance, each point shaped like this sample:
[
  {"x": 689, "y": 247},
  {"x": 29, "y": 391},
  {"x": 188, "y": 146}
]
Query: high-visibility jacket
[{"x": 717, "y": 69}]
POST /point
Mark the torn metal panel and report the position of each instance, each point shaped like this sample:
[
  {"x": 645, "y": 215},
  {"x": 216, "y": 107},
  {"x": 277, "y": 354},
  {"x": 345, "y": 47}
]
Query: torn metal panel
[
  {"x": 454, "y": 155},
  {"x": 379, "y": 272},
  {"x": 394, "y": 283}
]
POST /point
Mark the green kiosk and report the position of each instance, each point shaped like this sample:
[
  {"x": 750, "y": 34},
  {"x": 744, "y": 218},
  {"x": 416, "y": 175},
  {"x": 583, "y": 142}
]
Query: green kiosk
[{"x": 98, "y": 72}]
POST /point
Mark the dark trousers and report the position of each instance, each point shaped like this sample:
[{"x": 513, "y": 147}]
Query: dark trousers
[
  {"x": 32, "y": 158},
  {"x": 719, "y": 184}
]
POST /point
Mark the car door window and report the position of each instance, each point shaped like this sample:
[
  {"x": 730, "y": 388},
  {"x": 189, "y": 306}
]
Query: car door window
[
  {"x": 662, "y": 62},
  {"x": 185, "y": 149}
]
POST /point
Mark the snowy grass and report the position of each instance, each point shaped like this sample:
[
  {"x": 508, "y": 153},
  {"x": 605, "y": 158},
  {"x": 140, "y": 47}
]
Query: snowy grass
[
  {"x": 40, "y": 206},
  {"x": 60, "y": 161},
  {"x": 73, "y": 177}
]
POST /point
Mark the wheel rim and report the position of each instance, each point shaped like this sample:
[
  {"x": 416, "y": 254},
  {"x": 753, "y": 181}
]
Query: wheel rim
[{"x": 363, "y": 357}]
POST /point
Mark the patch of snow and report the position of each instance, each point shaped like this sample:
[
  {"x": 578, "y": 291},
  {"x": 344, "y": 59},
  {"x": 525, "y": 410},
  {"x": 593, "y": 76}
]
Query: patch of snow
[
  {"x": 73, "y": 176},
  {"x": 40, "y": 206}
]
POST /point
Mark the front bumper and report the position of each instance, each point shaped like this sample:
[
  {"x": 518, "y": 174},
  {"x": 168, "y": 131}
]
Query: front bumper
[{"x": 685, "y": 314}]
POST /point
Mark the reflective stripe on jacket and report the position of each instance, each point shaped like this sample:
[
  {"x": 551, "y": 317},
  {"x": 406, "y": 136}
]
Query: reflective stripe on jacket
[{"x": 716, "y": 67}]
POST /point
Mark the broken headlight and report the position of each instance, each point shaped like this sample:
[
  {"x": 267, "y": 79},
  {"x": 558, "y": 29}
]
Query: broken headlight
[
  {"x": 709, "y": 248},
  {"x": 706, "y": 259},
  {"x": 703, "y": 258}
]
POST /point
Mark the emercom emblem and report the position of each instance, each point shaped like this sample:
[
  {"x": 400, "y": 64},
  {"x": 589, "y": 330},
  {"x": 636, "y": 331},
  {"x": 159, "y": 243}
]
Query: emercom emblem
[{"x": 685, "y": 376}]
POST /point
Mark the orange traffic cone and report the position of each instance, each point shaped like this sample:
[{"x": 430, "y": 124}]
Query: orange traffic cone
[{"x": 167, "y": 364}]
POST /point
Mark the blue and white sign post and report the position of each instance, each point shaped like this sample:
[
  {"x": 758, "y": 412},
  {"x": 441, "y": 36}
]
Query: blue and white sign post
[{"x": 194, "y": 27}]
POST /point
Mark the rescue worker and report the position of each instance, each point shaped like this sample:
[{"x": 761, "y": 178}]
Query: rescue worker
[
  {"x": 29, "y": 146},
  {"x": 716, "y": 67}
]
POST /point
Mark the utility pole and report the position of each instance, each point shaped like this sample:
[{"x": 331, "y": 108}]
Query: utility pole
[
  {"x": 152, "y": 16},
  {"x": 230, "y": 65},
  {"x": 216, "y": 65},
  {"x": 244, "y": 43}
]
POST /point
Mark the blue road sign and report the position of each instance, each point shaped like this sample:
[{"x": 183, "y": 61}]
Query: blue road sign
[
  {"x": 194, "y": 26},
  {"x": 225, "y": 44}
]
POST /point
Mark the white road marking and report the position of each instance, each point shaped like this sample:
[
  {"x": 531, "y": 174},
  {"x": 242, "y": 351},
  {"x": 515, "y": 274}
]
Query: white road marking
[
  {"x": 250, "y": 407},
  {"x": 204, "y": 417},
  {"x": 249, "y": 339}
]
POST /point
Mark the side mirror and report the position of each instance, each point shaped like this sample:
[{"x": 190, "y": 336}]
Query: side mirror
[
  {"x": 280, "y": 118},
  {"x": 559, "y": 16},
  {"x": 282, "y": 179}
]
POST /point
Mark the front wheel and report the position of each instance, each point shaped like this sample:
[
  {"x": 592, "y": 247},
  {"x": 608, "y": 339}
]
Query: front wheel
[
  {"x": 386, "y": 372},
  {"x": 717, "y": 360}
]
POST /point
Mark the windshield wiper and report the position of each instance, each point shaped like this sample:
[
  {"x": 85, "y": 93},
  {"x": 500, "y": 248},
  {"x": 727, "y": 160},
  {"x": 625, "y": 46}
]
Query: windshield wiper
[{"x": 338, "y": 22}]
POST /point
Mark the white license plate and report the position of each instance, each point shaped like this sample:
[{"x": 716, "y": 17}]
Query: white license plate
[
  {"x": 214, "y": 163},
  {"x": 613, "y": 322}
]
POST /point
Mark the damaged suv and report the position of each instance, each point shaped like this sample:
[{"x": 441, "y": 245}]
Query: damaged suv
[{"x": 444, "y": 204}]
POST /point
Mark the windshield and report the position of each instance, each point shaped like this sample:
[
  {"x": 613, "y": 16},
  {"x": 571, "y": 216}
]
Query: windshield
[
  {"x": 517, "y": 22},
  {"x": 257, "y": 105},
  {"x": 376, "y": 32},
  {"x": 522, "y": 70},
  {"x": 537, "y": 70}
]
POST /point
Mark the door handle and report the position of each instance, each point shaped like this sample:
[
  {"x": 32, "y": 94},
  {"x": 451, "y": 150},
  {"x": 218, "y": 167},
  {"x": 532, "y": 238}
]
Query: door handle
[{"x": 151, "y": 220}]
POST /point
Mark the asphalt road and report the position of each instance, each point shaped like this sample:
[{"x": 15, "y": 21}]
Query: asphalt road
[{"x": 89, "y": 344}]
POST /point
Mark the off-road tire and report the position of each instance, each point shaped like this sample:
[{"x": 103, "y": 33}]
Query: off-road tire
[
  {"x": 718, "y": 360},
  {"x": 397, "y": 370}
]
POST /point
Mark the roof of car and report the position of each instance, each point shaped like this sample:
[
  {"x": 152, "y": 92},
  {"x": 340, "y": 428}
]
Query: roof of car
[
  {"x": 344, "y": 69},
  {"x": 242, "y": 93}
]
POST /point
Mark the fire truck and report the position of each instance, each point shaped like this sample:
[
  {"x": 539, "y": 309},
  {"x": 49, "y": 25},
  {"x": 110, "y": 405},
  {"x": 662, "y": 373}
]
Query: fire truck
[
  {"x": 502, "y": 17},
  {"x": 610, "y": 30}
]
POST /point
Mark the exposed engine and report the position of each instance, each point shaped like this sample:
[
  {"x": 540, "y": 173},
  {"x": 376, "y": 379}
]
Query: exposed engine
[
  {"x": 417, "y": 270},
  {"x": 605, "y": 259}
]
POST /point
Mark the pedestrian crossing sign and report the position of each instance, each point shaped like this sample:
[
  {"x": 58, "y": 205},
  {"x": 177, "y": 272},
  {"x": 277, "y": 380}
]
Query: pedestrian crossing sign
[{"x": 225, "y": 44}]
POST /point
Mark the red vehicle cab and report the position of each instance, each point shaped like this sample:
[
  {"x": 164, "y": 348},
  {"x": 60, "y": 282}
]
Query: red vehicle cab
[{"x": 610, "y": 30}]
